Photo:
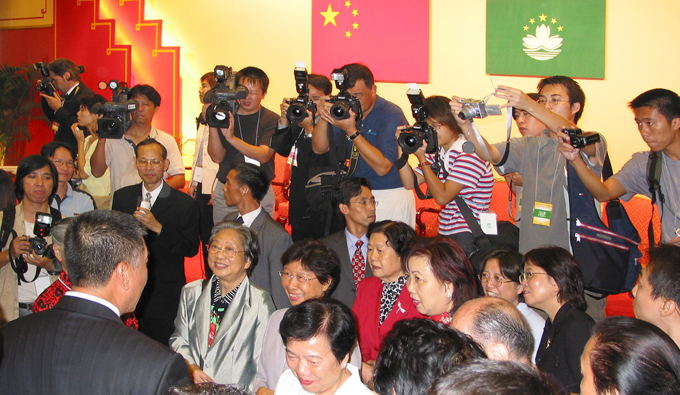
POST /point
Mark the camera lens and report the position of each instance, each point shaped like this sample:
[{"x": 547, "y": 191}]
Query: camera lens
[
  {"x": 467, "y": 112},
  {"x": 110, "y": 127},
  {"x": 410, "y": 141},
  {"x": 297, "y": 112},
  {"x": 340, "y": 110}
]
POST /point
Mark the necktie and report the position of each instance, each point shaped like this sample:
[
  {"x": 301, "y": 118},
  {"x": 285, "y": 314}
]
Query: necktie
[
  {"x": 358, "y": 264},
  {"x": 148, "y": 198},
  {"x": 239, "y": 220}
]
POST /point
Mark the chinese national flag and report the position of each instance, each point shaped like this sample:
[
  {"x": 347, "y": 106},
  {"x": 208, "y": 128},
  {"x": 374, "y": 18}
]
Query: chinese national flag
[
  {"x": 391, "y": 37},
  {"x": 545, "y": 37}
]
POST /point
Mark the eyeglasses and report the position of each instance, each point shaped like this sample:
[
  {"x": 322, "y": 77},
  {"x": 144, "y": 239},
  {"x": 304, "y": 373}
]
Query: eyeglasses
[
  {"x": 366, "y": 201},
  {"x": 227, "y": 251},
  {"x": 495, "y": 280},
  {"x": 526, "y": 276},
  {"x": 59, "y": 162},
  {"x": 288, "y": 277},
  {"x": 553, "y": 101},
  {"x": 144, "y": 163}
]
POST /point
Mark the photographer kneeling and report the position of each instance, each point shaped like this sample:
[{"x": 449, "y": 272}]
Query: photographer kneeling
[{"x": 450, "y": 172}]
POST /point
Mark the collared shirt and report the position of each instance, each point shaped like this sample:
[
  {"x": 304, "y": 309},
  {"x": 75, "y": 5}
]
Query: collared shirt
[
  {"x": 75, "y": 202},
  {"x": 154, "y": 193},
  {"x": 248, "y": 218},
  {"x": 95, "y": 299},
  {"x": 72, "y": 88},
  {"x": 352, "y": 244}
]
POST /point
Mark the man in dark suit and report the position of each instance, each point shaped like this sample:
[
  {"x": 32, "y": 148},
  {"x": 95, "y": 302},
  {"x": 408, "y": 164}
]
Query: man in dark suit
[
  {"x": 355, "y": 201},
  {"x": 245, "y": 187},
  {"x": 172, "y": 220},
  {"x": 81, "y": 346},
  {"x": 63, "y": 110}
]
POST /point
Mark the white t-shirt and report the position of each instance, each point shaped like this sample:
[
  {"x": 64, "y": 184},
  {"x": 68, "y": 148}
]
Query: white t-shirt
[{"x": 290, "y": 385}]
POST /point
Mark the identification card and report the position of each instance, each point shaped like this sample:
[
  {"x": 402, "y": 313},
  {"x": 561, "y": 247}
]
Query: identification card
[
  {"x": 488, "y": 223},
  {"x": 41, "y": 284},
  {"x": 198, "y": 174},
  {"x": 292, "y": 156},
  {"x": 55, "y": 127},
  {"x": 542, "y": 213},
  {"x": 251, "y": 161}
]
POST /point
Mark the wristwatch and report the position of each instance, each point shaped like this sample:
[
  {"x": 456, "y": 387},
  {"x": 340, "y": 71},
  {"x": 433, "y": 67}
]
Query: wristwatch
[{"x": 355, "y": 135}]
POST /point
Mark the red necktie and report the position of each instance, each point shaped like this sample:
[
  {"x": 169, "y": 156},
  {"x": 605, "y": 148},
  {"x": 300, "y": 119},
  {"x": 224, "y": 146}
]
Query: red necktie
[{"x": 358, "y": 264}]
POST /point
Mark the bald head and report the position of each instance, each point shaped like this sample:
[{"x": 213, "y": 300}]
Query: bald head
[{"x": 497, "y": 326}]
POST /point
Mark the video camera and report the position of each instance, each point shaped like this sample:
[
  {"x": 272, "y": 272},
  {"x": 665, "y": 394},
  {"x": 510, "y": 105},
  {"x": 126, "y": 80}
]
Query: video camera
[
  {"x": 580, "y": 139},
  {"x": 477, "y": 109},
  {"x": 411, "y": 139},
  {"x": 344, "y": 101},
  {"x": 222, "y": 98},
  {"x": 297, "y": 111},
  {"x": 116, "y": 120}
]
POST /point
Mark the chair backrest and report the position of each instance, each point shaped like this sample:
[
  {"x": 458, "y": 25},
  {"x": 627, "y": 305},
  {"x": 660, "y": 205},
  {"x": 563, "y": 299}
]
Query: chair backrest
[{"x": 281, "y": 179}]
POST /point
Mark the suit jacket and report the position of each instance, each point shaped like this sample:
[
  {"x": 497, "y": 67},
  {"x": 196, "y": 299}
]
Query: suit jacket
[
  {"x": 82, "y": 347},
  {"x": 67, "y": 115},
  {"x": 367, "y": 313},
  {"x": 179, "y": 238},
  {"x": 346, "y": 291},
  {"x": 274, "y": 241},
  {"x": 233, "y": 355}
]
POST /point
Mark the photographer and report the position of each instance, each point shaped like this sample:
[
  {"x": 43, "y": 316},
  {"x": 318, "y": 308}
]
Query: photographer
[
  {"x": 62, "y": 110},
  {"x": 293, "y": 140},
  {"x": 35, "y": 185},
  {"x": 458, "y": 173}
]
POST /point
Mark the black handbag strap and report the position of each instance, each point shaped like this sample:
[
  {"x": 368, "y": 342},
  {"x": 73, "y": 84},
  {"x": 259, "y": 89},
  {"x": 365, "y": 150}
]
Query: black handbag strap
[
  {"x": 480, "y": 236},
  {"x": 654, "y": 165}
]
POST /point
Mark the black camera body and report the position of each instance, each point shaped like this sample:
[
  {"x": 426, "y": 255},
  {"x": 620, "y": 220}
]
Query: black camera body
[
  {"x": 580, "y": 139},
  {"x": 46, "y": 84},
  {"x": 344, "y": 101},
  {"x": 116, "y": 119},
  {"x": 297, "y": 111},
  {"x": 222, "y": 98},
  {"x": 411, "y": 139},
  {"x": 477, "y": 109}
]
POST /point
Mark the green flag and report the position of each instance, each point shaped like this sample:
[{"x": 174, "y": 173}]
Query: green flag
[{"x": 545, "y": 37}]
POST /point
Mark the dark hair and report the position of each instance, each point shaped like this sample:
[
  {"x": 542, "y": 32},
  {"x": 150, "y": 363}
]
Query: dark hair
[
  {"x": 27, "y": 166},
  {"x": 559, "y": 264},
  {"x": 62, "y": 65},
  {"x": 149, "y": 141},
  {"x": 397, "y": 233},
  {"x": 50, "y": 148},
  {"x": 666, "y": 102},
  {"x": 448, "y": 262},
  {"x": 358, "y": 71},
  {"x": 497, "y": 321},
  {"x": 347, "y": 189},
  {"x": 664, "y": 271},
  {"x": 631, "y": 356},
  {"x": 97, "y": 241},
  {"x": 509, "y": 262},
  {"x": 515, "y": 112},
  {"x": 88, "y": 101},
  {"x": 488, "y": 377},
  {"x": 210, "y": 77},
  {"x": 253, "y": 177},
  {"x": 320, "y": 82},
  {"x": 253, "y": 74},
  {"x": 7, "y": 197},
  {"x": 415, "y": 352},
  {"x": 205, "y": 389},
  {"x": 316, "y": 257},
  {"x": 147, "y": 90},
  {"x": 327, "y": 318},
  {"x": 576, "y": 94},
  {"x": 439, "y": 110},
  {"x": 248, "y": 238}
]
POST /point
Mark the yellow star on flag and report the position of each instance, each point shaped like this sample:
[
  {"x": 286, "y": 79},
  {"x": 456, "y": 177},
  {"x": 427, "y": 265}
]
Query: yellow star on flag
[
  {"x": 554, "y": 21},
  {"x": 348, "y": 34},
  {"x": 532, "y": 20},
  {"x": 329, "y": 15},
  {"x": 347, "y": 4},
  {"x": 355, "y": 12},
  {"x": 526, "y": 28},
  {"x": 560, "y": 28},
  {"x": 543, "y": 17},
  {"x": 355, "y": 25}
]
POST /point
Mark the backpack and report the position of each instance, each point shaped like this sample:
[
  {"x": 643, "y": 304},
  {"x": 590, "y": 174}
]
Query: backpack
[{"x": 607, "y": 255}]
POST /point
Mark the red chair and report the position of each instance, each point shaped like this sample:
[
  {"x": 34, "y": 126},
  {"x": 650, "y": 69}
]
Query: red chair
[{"x": 281, "y": 186}]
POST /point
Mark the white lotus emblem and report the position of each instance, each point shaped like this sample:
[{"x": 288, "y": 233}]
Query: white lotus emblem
[{"x": 542, "y": 46}]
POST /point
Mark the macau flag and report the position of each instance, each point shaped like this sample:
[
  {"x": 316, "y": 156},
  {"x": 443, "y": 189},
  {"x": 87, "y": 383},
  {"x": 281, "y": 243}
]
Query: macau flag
[
  {"x": 391, "y": 37},
  {"x": 545, "y": 37}
]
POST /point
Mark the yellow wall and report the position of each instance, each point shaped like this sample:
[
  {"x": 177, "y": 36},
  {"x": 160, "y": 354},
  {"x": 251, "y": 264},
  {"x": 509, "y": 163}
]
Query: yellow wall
[{"x": 642, "y": 53}]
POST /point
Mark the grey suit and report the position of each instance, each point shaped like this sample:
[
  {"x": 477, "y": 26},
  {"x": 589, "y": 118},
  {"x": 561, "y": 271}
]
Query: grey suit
[
  {"x": 346, "y": 291},
  {"x": 233, "y": 355},
  {"x": 274, "y": 241}
]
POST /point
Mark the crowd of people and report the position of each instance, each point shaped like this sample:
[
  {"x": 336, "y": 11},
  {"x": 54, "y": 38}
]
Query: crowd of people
[{"x": 95, "y": 230}]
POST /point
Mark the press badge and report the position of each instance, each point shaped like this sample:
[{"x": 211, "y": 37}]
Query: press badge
[
  {"x": 251, "y": 161},
  {"x": 292, "y": 156},
  {"x": 542, "y": 213},
  {"x": 487, "y": 220},
  {"x": 198, "y": 174}
]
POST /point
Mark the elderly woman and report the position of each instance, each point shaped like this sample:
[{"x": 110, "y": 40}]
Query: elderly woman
[
  {"x": 311, "y": 270},
  {"x": 319, "y": 336},
  {"x": 441, "y": 277},
  {"x": 628, "y": 356},
  {"x": 384, "y": 298},
  {"x": 501, "y": 278},
  {"x": 220, "y": 323},
  {"x": 553, "y": 283}
]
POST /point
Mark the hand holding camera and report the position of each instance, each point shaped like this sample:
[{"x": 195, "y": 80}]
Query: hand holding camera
[
  {"x": 421, "y": 133},
  {"x": 222, "y": 98},
  {"x": 116, "y": 120},
  {"x": 344, "y": 109},
  {"x": 300, "y": 107}
]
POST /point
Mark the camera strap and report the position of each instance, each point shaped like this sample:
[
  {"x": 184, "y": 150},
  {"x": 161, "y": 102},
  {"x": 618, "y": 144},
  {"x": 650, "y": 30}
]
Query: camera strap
[{"x": 480, "y": 139}]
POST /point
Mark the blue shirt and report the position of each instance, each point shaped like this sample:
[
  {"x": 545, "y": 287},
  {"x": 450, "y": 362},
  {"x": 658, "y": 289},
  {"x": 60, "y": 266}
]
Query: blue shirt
[{"x": 75, "y": 202}]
